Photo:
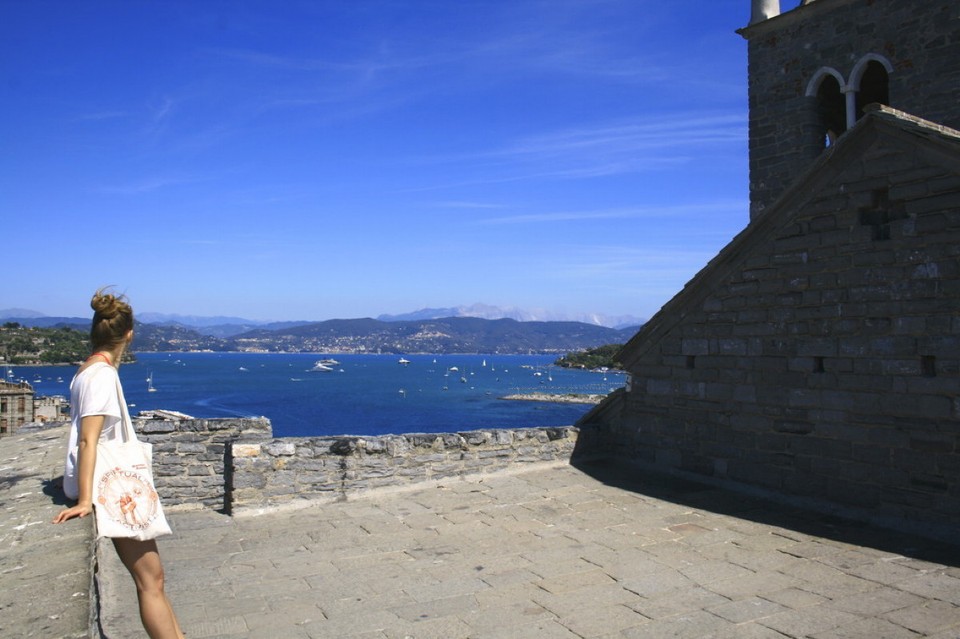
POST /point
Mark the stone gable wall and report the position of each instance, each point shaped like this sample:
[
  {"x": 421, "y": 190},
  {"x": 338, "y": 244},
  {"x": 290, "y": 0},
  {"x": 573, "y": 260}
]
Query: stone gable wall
[
  {"x": 826, "y": 362},
  {"x": 920, "y": 40}
]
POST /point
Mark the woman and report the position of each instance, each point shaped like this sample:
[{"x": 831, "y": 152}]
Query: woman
[{"x": 95, "y": 415}]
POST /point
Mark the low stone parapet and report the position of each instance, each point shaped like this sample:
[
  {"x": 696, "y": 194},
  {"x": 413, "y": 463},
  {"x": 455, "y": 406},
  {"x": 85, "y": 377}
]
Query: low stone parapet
[
  {"x": 292, "y": 472},
  {"x": 191, "y": 457}
]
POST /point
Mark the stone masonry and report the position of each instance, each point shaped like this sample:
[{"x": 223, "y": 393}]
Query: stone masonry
[
  {"x": 292, "y": 472},
  {"x": 191, "y": 457},
  {"x": 920, "y": 41},
  {"x": 818, "y": 355},
  {"x": 236, "y": 465}
]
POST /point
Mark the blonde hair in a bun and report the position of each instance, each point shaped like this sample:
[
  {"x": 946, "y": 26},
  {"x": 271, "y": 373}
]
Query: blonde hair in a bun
[{"x": 112, "y": 319}]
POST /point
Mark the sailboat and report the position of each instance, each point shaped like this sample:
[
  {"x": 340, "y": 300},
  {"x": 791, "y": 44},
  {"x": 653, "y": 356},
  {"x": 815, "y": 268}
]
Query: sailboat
[{"x": 150, "y": 388}]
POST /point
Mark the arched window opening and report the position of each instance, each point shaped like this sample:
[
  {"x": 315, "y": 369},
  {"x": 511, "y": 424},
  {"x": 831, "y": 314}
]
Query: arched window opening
[
  {"x": 831, "y": 109},
  {"x": 874, "y": 86}
]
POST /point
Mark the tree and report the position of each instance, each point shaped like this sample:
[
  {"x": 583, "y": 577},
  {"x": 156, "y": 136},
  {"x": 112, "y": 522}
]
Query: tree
[{"x": 599, "y": 357}]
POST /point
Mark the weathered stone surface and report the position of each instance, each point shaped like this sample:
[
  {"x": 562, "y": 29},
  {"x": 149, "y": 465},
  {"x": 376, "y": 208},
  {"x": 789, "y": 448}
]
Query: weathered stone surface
[
  {"x": 819, "y": 352},
  {"x": 305, "y": 467}
]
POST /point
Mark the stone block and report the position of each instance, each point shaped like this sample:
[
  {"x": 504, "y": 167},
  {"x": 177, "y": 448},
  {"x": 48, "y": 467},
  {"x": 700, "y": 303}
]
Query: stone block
[
  {"x": 278, "y": 448},
  {"x": 199, "y": 469},
  {"x": 478, "y": 438},
  {"x": 191, "y": 448},
  {"x": 731, "y": 346},
  {"x": 695, "y": 347},
  {"x": 177, "y": 482},
  {"x": 656, "y": 387},
  {"x": 245, "y": 450},
  {"x": 494, "y": 453},
  {"x": 793, "y": 428},
  {"x": 307, "y": 465},
  {"x": 156, "y": 426},
  {"x": 166, "y": 470}
]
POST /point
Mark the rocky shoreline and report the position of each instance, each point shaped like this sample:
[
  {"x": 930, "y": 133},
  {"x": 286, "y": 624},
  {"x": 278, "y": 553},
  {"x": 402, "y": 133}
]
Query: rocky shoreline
[{"x": 559, "y": 398}]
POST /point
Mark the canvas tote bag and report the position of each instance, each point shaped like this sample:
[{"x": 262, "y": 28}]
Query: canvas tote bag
[{"x": 125, "y": 500}]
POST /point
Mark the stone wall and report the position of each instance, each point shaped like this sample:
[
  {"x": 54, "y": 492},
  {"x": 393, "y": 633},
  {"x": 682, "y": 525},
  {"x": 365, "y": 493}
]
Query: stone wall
[
  {"x": 818, "y": 355},
  {"x": 291, "y": 472},
  {"x": 918, "y": 39},
  {"x": 191, "y": 458},
  {"x": 237, "y": 464}
]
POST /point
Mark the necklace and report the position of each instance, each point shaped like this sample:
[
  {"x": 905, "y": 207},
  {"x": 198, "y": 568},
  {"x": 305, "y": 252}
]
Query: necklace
[{"x": 101, "y": 354}]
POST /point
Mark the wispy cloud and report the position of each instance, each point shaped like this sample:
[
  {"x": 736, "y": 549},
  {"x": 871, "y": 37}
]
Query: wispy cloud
[
  {"x": 639, "y": 212},
  {"x": 149, "y": 184},
  {"x": 162, "y": 110},
  {"x": 102, "y": 115},
  {"x": 451, "y": 204},
  {"x": 621, "y": 147},
  {"x": 652, "y": 132}
]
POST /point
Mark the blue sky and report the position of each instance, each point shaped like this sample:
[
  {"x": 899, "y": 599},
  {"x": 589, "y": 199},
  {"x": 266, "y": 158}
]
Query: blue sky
[{"x": 313, "y": 160}]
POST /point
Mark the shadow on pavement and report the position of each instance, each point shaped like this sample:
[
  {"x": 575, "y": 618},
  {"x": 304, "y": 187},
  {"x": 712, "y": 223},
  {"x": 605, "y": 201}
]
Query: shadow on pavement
[{"x": 764, "y": 510}]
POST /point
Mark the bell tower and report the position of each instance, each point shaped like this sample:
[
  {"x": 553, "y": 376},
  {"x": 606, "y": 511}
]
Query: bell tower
[{"x": 813, "y": 68}]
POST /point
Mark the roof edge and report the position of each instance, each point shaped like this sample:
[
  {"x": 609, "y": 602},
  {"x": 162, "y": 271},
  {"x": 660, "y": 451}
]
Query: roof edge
[
  {"x": 802, "y": 11},
  {"x": 875, "y": 115}
]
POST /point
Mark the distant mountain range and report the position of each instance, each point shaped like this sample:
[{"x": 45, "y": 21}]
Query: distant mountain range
[
  {"x": 485, "y": 311},
  {"x": 451, "y": 334},
  {"x": 445, "y": 335}
]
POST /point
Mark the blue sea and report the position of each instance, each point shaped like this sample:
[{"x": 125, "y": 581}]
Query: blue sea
[{"x": 362, "y": 395}]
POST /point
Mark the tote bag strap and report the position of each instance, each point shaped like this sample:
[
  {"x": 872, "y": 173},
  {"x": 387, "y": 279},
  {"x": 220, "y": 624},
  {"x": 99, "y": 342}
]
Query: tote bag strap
[{"x": 126, "y": 428}]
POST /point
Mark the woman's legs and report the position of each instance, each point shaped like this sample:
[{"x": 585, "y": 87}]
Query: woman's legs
[{"x": 143, "y": 561}]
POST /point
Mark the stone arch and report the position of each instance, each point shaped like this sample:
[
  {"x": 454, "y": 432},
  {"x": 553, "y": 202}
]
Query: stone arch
[
  {"x": 870, "y": 80},
  {"x": 828, "y": 92}
]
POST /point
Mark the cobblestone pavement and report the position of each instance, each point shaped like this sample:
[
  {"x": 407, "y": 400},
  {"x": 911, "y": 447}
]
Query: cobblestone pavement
[
  {"x": 44, "y": 569},
  {"x": 551, "y": 553}
]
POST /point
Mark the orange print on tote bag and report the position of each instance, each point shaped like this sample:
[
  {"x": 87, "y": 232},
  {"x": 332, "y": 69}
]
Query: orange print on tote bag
[{"x": 125, "y": 500}]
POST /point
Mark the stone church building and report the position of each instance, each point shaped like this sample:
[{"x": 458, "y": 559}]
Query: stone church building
[{"x": 818, "y": 354}]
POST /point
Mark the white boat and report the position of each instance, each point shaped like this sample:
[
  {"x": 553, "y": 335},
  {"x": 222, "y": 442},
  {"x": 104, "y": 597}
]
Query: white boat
[
  {"x": 403, "y": 362},
  {"x": 320, "y": 367},
  {"x": 329, "y": 361},
  {"x": 150, "y": 388}
]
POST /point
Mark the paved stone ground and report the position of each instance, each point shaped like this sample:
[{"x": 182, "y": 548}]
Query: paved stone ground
[
  {"x": 44, "y": 569},
  {"x": 555, "y": 553}
]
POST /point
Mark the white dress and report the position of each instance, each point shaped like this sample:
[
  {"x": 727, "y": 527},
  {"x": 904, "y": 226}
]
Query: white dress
[{"x": 93, "y": 391}]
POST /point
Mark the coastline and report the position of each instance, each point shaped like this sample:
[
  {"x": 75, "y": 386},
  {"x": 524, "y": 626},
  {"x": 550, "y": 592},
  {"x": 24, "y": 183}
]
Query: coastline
[{"x": 557, "y": 398}]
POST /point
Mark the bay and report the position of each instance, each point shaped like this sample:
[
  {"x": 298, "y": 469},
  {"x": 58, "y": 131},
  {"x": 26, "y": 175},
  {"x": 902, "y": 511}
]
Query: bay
[{"x": 362, "y": 395}]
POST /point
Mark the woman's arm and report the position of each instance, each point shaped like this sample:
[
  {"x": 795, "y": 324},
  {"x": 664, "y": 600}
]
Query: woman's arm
[{"x": 90, "y": 427}]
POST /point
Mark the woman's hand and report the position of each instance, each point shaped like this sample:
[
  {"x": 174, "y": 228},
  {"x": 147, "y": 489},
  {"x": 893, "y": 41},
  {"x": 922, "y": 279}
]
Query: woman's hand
[
  {"x": 90, "y": 429},
  {"x": 80, "y": 510}
]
